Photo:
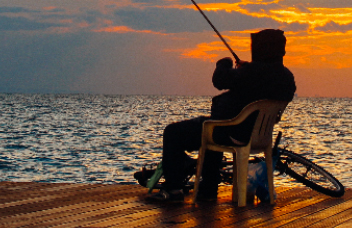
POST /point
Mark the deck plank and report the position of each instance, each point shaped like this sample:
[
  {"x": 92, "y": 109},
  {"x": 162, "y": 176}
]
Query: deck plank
[
  {"x": 346, "y": 224},
  {"x": 98, "y": 205},
  {"x": 66, "y": 206},
  {"x": 252, "y": 214},
  {"x": 293, "y": 213},
  {"x": 336, "y": 213}
]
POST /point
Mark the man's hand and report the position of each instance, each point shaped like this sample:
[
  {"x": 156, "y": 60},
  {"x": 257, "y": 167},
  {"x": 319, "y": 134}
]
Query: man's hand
[{"x": 241, "y": 63}]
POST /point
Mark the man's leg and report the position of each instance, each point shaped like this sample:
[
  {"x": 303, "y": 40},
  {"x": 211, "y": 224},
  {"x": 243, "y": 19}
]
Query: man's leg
[
  {"x": 178, "y": 138},
  {"x": 210, "y": 175}
]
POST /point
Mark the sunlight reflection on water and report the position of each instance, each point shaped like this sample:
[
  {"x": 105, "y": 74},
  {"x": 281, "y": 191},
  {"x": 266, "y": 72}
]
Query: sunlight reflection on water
[{"x": 105, "y": 139}]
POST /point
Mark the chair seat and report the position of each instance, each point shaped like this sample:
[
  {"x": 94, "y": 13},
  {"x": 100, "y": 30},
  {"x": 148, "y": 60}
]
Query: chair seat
[{"x": 270, "y": 112}]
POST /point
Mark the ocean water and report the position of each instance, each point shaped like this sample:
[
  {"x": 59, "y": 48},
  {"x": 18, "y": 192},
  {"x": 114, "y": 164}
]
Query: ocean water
[{"x": 106, "y": 138}]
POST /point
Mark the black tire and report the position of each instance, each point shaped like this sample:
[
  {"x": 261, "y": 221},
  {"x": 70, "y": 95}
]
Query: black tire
[{"x": 309, "y": 174}]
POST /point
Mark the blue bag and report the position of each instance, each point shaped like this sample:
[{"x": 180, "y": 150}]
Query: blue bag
[{"x": 257, "y": 182}]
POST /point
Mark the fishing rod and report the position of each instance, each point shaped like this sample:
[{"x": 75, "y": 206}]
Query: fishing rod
[{"x": 217, "y": 32}]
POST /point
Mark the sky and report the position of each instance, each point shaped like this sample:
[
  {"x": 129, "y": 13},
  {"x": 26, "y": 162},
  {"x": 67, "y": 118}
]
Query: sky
[{"x": 166, "y": 46}]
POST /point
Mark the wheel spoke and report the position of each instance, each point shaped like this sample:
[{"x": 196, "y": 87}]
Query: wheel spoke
[{"x": 308, "y": 169}]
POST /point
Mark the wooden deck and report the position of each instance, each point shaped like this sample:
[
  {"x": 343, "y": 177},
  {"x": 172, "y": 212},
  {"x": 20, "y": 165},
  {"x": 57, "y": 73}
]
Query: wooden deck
[{"x": 95, "y": 205}]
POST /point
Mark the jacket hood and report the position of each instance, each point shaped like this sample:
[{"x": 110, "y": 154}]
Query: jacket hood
[{"x": 268, "y": 45}]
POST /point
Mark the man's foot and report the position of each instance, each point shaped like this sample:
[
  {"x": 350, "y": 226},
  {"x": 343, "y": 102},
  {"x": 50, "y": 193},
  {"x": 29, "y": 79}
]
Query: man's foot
[
  {"x": 168, "y": 196},
  {"x": 207, "y": 196},
  {"x": 207, "y": 192}
]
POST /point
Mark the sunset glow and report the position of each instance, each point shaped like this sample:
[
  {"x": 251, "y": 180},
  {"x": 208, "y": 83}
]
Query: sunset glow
[
  {"x": 124, "y": 29},
  {"x": 316, "y": 16},
  {"x": 136, "y": 43},
  {"x": 312, "y": 48}
]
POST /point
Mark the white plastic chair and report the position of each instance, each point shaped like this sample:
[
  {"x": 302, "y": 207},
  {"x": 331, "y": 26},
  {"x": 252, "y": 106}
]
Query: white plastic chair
[{"x": 270, "y": 112}]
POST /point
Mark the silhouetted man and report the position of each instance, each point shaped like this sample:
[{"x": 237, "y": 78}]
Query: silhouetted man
[{"x": 264, "y": 78}]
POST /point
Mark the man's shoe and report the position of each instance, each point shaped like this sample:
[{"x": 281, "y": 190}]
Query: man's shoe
[
  {"x": 207, "y": 196},
  {"x": 207, "y": 192},
  {"x": 168, "y": 196}
]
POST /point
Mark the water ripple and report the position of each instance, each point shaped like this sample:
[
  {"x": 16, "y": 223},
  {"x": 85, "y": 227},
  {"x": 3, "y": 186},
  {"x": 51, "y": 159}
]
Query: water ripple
[{"x": 105, "y": 139}]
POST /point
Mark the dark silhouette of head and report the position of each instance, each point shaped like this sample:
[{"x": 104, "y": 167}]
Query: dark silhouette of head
[{"x": 268, "y": 45}]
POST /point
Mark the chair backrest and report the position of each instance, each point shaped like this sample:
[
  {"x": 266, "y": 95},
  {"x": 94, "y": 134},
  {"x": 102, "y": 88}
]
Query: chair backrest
[{"x": 270, "y": 112}]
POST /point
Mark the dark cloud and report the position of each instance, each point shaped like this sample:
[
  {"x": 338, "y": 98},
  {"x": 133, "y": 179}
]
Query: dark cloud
[
  {"x": 147, "y": 1},
  {"x": 98, "y": 63},
  {"x": 22, "y": 23},
  {"x": 110, "y": 6},
  {"x": 56, "y": 16},
  {"x": 42, "y": 63},
  {"x": 7, "y": 9},
  {"x": 56, "y": 10},
  {"x": 183, "y": 2},
  {"x": 211, "y": 1},
  {"x": 188, "y": 20},
  {"x": 168, "y": 20},
  {"x": 334, "y": 27},
  {"x": 273, "y": 6},
  {"x": 294, "y": 27},
  {"x": 261, "y": 7},
  {"x": 90, "y": 16},
  {"x": 319, "y": 3},
  {"x": 302, "y": 8}
]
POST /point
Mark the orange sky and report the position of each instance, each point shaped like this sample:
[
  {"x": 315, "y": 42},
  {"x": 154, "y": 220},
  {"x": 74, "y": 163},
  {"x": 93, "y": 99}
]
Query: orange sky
[
  {"x": 166, "y": 46},
  {"x": 306, "y": 49},
  {"x": 313, "y": 49}
]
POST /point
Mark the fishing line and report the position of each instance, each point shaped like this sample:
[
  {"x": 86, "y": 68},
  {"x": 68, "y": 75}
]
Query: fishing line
[{"x": 217, "y": 32}]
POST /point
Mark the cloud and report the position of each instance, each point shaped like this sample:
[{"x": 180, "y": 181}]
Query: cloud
[
  {"x": 294, "y": 27},
  {"x": 173, "y": 19},
  {"x": 154, "y": 2},
  {"x": 124, "y": 29},
  {"x": 91, "y": 16},
  {"x": 261, "y": 8},
  {"x": 302, "y": 8},
  {"x": 54, "y": 9},
  {"x": 319, "y": 3},
  {"x": 22, "y": 23},
  {"x": 84, "y": 15},
  {"x": 180, "y": 2},
  {"x": 157, "y": 19},
  {"x": 107, "y": 63},
  {"x": 212, "y": 1},
  {"x": 43, "y": 62},
  {"x": 188, "y": 20},
  {"x": 334, "y": 27},
  {"x": 139, "y": 46},
  {"x": 8, "y": 9}
]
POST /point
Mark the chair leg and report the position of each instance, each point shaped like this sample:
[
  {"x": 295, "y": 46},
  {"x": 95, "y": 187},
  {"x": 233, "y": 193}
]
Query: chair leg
[
  {"x": 199, "y": 173},
  {"x": 242, "y": 172},
  {"x": 234, "y": 180},
  {"x": 269, "y": 168}
]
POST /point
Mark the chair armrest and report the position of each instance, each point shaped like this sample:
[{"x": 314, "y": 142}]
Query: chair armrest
[
  {"x": 209, "y": 125},
  {"x": 261, "y": 105}
]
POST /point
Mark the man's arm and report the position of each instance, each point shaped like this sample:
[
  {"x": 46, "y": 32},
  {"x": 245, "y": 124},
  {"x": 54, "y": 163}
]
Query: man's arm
[{"x": 225, "y": 75}]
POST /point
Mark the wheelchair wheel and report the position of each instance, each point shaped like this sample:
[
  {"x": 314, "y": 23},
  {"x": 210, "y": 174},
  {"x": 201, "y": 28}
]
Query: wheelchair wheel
[{"x": 309, "y": 173}]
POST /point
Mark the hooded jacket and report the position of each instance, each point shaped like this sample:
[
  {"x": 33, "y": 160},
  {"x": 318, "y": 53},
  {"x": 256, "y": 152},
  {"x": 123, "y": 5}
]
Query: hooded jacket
[{"x": 264, "y": 78}]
